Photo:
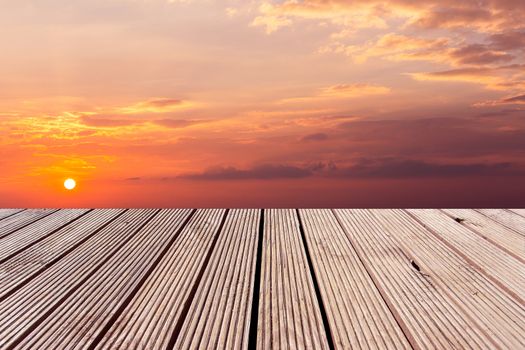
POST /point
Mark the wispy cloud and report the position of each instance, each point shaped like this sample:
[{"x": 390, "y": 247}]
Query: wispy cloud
[
  {"x": 513, "y": 100},
  {"x": 508, "y": 77},
  {"x": 318, "y": 136},
  {"x": 341, "y": 92},
  {"x": 157, "y": 105},
  {"x": 259, "y": 172}
]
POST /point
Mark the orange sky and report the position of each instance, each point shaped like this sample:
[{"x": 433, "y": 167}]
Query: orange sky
[{"x": 262, "y": 103}]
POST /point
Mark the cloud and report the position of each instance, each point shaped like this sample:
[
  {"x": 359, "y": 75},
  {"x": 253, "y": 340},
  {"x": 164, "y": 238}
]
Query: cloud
[
  {"x": 395, "y": 46},
  {"x": 259, "y": 172},
  {"x": 358, "y": 13},
  {"x": 489, "y": 15},
  {"x": 353, "y": 90},
  {"x": 498, "y": 78},
  {"x": 482, "y": 75},
  {"x": 478, "y": 54},
  {"x": 431, "y": 138},
  {"x": 232, "y": 12},
  {"x": 398, "y": 47},
  {"x": 365, "y": 168},
  {"x": 453, "y": 17},
  {"x": 319, "y": 136},
  {"x": 515, "y": 99},
  {"x": 340, "y": 91},
  {"x": 396, "y": 168},
  {"x": 271, "y": 22},
  {"x": 137, "y": 178},
  {"x": 139, "y": 113},
  {"x": 520, "y": 99},
  {"x": 156, "y": 105},
  {"x": 511, "y": 40},
  {"x": 178, "y": 123},
  {"x": 463, "y": 35},
  {"x": 162, "y": 102},
  {"x": 103, "y": 121},
  {"x": 108, "y": 121}
]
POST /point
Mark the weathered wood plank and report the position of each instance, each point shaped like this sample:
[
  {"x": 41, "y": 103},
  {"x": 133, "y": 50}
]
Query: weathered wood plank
[
  {"x": 118, "y": 279},
  {"x": 501, "y": 317},
  {"x": 28, "y": 306},
  {"x": 19, "y": 220},
  {"x": 507, "y": 218},
  {"x": 430, "y": 318},
  {"x": 519, "y": 211},
  {"x": 150, "y": 319},
  {"x": 22, "y": 267},
  {"x": 358, "y": 316},
  {"x": 37, "y": 230},
  {"x": 492, "y": 231},
  {"x": 219, "y": 316},
  {"x": 4, "y": 213},
  {"x": 504, "y": 269},
  {"x": 289, "y": 312},
  {"x": 75, "y": 323}
]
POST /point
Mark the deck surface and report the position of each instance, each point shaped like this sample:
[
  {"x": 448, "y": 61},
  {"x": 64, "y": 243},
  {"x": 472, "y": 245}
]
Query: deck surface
[{"x": 272, "y": 278}]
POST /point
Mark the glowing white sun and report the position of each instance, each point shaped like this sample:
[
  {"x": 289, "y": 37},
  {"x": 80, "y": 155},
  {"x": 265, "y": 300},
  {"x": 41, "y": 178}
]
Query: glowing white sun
[{"x": 70, "y": 184}]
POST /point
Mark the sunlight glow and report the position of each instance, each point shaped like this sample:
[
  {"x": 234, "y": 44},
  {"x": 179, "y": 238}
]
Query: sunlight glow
[{"x": 70, "y": 184}]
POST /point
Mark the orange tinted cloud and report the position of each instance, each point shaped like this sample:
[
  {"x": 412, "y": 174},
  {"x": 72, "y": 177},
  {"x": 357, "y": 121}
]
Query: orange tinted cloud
[
  {"x": 494, "y": 36},
  {"x": 339, "y": 92},
  {"x": 399, "y": 47},
  {"x": 512, "y": 100},
  {"x": 354, "y": 90},
  {"x": 491, "y": 15},
  {"x": 499, "y": 78},
  {"x": 157, "y": 105}
]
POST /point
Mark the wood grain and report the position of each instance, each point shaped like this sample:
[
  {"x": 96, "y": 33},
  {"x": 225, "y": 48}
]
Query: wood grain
[{"x": 275, "y": 279}]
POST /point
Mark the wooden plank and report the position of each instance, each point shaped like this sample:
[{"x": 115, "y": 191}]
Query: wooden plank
[
  {"x": 4, "y": 213},
  {"x": 37, "y": 231},
  {"x": 507, "y": 218},
  {"x": 428, "y": 315},
  {"x": 219, "y": 316},
  {"x": 289, "y": 312},
  {"x": 22, "y": 267},
  {"x": 22, "y": 219},
  {"x": 28, "y": 306},
  {"x": 502, "y": 268},
  {"x": 151, "y": 318},
  {"x": 499, "y": 314},
  {"x": 508, "y": 239},
  {"x": 76, "y": 322},
  {"x": 120, "y": 279},
  {"x": 520, "y": 212},
  {"x": 358, "y": 316}
]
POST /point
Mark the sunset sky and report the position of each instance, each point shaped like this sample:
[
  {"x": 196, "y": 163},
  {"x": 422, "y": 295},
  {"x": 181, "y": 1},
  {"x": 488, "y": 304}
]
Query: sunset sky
[{"x": 366, "y": 103}]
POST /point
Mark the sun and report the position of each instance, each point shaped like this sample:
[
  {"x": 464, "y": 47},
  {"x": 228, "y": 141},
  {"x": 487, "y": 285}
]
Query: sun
[{"x": 70, "y": 184}]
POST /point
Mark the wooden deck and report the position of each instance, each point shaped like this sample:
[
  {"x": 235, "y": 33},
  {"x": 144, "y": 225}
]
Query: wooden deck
[{"x": 246, "y": 278}]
